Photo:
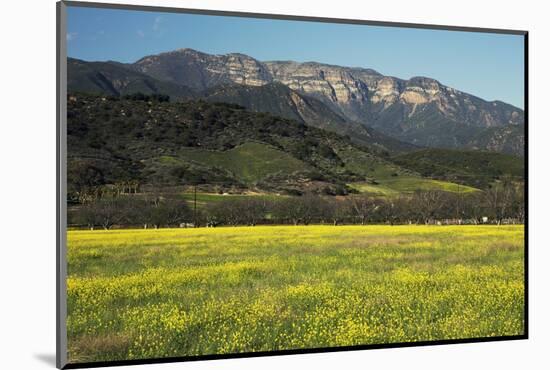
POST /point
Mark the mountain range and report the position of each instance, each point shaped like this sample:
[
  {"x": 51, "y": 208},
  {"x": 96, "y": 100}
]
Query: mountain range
[{"x": 392, "y": 114}]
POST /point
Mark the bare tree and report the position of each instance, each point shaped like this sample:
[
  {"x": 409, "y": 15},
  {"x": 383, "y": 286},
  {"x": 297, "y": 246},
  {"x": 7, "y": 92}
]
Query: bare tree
[
  {"x": 227, "y": 212},
  {"x": 427, "y": 204},
  {"x": 364, "y": 207},
  {"x": 169, "y": 213},
  {"x": 473, "y": 207},
  {"x": 303, "y": 209},
  {"x": 393, "y": 210},
  {"x": 499, "y": 199},
  {"x": 253, "y": 210},
  {"x": 519, "y": 203},
  {"x": 336, "y": 210},
  {"x": 105, "y": 213}
]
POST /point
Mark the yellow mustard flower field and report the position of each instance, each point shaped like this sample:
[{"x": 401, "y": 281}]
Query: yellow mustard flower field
[{"x": 135, "y": 294}]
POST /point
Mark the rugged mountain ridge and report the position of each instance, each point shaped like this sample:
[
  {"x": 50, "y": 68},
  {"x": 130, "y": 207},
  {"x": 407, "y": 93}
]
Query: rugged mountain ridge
[
  {"x": 201, "y": 71},
  {"x": 343, "y": 87},
  {"x": 420, "y": 110},
  {"x": 114, "y": 78},
  {"x": 280, "y": 100}
]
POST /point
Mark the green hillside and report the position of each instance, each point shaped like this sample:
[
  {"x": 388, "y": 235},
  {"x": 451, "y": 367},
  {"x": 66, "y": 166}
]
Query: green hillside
[
  {"x": 225, "y": 148},
  {"x": 409, "y": 184},
  {"x": 180, "y": 143},
  {"x": 249, "y": 162},
  {"x": 475, "y": 168}
]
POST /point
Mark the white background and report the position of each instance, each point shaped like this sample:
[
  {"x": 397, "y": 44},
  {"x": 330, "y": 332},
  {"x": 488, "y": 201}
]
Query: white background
[{"x": 27, "y": 183}]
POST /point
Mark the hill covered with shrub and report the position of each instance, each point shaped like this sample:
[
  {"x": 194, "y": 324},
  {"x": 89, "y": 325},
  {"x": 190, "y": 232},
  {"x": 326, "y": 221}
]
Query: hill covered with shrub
[{"x": 150, "y": 140}]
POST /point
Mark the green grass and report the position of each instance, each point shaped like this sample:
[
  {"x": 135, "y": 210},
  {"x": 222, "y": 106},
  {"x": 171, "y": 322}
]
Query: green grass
[
  {"x": 204, "y": 199},
  {"x": 380, "y": 190},
  {"x": 136, "y": 294},
  {"x": 367, "y": 164},
  {"x": 169, "y": 161},
  {"x": 249, "y": 162},
  {"x": 408, "y": 184}
]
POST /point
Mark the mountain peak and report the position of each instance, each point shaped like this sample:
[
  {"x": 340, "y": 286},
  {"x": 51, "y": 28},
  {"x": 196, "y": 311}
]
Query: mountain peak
[
  {"x": 184, "y": 51},
  {"x": 421, "y": 110},
  {"x": 424, "y": 82},
  {"x": 239, "y": 55}
]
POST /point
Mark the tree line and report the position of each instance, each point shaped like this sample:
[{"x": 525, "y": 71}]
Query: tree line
[{"x": 422, "y": 207}]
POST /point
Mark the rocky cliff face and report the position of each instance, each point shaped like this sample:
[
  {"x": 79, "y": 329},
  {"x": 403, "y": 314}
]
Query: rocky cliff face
[
  {"x": 200, "y": 71},
  {"x": 420, "y": 111},
  {"x": 363, "y": 95},
  {"x": 345, "y": 90},
  {"x": 357, "y": 93},
  {"x": 282, "y": 101}
]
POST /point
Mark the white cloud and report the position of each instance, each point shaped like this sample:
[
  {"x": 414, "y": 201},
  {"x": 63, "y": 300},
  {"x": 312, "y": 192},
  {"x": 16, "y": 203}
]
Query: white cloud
[
  {"x": 156, "y": 23},
  {"x": 71, "y": 36}
]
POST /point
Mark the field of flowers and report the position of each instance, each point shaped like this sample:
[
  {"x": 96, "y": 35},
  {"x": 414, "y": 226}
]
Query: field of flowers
[{"x": 136, "y": 294}]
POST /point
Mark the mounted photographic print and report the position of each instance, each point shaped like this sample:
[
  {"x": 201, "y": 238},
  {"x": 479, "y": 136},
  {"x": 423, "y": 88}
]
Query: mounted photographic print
[{"x": 235, "y": 184}]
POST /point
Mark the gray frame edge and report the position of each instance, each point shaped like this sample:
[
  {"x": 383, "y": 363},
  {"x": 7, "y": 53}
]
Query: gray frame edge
[
  {"x": 227, "y": 13},
  {"x": 61, "y": 189}
]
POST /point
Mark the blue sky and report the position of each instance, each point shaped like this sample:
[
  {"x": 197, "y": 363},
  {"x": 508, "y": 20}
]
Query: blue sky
[{"x": 487, "y": 65}]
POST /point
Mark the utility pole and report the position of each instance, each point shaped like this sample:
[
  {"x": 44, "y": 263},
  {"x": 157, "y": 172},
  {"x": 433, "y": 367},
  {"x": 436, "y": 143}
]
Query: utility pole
[
  {"x": 458, "y": 202},
  {"x": 195, "y": 207}
]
